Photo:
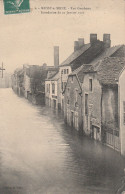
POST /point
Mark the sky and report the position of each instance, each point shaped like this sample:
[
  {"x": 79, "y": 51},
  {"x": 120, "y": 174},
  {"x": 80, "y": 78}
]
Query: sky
[{"x": 29, "y": 38}]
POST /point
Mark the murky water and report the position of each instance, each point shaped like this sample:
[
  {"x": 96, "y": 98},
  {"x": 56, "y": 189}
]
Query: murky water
[{"x": 40, "y": 155}]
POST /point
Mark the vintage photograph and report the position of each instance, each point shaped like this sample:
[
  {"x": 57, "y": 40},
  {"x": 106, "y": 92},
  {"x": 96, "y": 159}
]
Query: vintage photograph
[{"x": 62, "y": 97}]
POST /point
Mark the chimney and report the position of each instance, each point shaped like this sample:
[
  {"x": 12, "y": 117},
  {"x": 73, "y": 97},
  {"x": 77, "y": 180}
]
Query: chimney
[
  {"x": 76, "y": 46},
  {"x": 56, "y": 56},
  {"x": 81, "y": 42},
  {"x": 106, "y": 40},
  {"x": 93, "y": 38}
]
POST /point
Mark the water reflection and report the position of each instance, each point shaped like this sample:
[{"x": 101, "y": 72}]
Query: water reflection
[{"x": 40, "y": 154}]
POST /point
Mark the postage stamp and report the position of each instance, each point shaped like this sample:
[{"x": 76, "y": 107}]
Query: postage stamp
[{"x": 16, "y": 6}]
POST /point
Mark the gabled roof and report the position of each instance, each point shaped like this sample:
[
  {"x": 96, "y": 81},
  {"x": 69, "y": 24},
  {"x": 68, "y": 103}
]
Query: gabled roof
[
  {"x": 75, "y": 55},
  {"x": 54, "y": 77},
  {"x": 109, "y": 70},
  {"x": 107, "y": 53},
  {"x": 82, "y": 70}
]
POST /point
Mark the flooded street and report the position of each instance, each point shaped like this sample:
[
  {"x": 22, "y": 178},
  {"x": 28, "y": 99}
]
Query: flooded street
[{"x": 39, "y": 154}]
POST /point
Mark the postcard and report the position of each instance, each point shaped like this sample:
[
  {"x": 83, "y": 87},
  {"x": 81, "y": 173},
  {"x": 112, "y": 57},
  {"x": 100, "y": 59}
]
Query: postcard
[{"x": 62, "y": 97}]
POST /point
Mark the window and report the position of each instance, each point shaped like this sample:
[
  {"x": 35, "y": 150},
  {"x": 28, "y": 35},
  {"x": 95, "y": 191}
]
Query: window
[
  {"x": 67, "y": 71},
  {"x": 48, "y": 88},
  {"x": 90, "y": 84},
  {"x": 76, "y": 120},
  {"x": 63, "y": 85},
  {"x": 53, "y": 88},
  {"x": 124, "y": 112},
  {"x": 76, "y": 98},
  {"x": 86, "y": 104},
  {"x": 64, "y": 71},
  {"x": 72, "y": 79}
]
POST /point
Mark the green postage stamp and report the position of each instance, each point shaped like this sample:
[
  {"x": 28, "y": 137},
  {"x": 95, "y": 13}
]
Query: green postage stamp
[{"x": 16, "y": 6}]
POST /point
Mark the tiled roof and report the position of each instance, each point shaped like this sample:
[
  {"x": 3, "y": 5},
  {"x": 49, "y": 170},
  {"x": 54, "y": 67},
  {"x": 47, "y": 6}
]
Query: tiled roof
[
  {"x": 54, "y": 77},
  {"x": 75, "y": 54},
  {"x": 109, "y": 69},
  {"x": 107, "y": 53}
]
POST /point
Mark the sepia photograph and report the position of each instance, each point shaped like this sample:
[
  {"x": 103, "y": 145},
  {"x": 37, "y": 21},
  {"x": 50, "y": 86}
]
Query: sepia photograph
[{"x": 62, "y": 97}]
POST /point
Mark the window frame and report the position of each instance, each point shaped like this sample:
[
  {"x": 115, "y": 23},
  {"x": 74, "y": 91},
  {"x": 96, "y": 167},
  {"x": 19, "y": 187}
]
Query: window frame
[
  {"x": 90, "y": 84},
  {"x": 86, "y": 104}
]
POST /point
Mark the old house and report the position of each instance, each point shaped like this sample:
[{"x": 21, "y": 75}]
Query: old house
[
  {"x": 52, "y": 82},
  {"x": 17, "y": 81},
  {"x": 51, "y": 91},
  {"x": 103, "y": 102},
  {"x": 110, "y": 75},
  {"x": 73, "y": 97},
  {"x": 83, "y": 54},
  {"x": 91, "y": 104}
]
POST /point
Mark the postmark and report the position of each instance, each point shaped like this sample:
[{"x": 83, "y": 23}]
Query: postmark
[{"x": 16, "y": 6}]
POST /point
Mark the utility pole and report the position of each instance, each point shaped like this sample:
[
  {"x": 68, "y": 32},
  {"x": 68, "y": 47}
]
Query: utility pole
[{"x": 2, "y": 69}]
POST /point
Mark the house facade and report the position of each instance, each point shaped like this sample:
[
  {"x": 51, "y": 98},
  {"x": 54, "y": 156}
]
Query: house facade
[
  {"x": 91, "y": 105},
  {"x": 17, "y": 80},
  {"x": 51, "y": 91},
  {"x": 73, "y": 102},
  {"x": 94, "y": 98},
  {"x": 103, "y": 103},
  {"x": 83, "y": 54},
  {"x": 121, "y": 97}
]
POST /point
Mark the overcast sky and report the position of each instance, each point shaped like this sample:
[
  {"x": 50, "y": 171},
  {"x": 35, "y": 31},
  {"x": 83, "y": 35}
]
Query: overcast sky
[{"x": 29, "y": 38}]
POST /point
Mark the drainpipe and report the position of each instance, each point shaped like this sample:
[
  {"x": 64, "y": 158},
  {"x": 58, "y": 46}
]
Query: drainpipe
[
  {"x": 102, "y": 137},
  {"x": 119, "y": 117}
]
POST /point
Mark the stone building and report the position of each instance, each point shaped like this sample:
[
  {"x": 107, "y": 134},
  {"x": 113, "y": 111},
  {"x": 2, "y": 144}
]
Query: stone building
[
  {"x": 83, "y": 54},
  {"x": 97, "y": 102},
  {"x": 73, "y": 98},
  {"x": 103, "y": 102},
  {"x": 110, "y": 75},
  {"x": 17, "y": 81}
]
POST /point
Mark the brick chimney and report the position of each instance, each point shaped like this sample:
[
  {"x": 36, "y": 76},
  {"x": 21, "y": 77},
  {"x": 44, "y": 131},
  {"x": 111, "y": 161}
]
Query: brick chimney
[
  {"x": 81, "y": 42},
  {"x": 76, "y": 46},
  {"x": 106, "y": 40},
  {"x": 56, "y": 56},
  {"x": 93, "y": 38}
]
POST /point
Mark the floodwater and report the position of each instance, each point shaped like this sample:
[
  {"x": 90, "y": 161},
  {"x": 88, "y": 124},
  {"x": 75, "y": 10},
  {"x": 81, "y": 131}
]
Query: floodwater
[{"x": 39, "y": 154}]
